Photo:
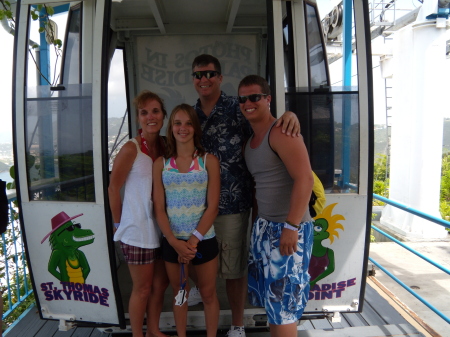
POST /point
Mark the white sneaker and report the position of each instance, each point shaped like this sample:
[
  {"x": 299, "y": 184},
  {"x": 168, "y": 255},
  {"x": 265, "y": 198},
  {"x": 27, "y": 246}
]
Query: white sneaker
[
  {"x": 236, "y": 331},
  {"x": 194, "y": 297}
]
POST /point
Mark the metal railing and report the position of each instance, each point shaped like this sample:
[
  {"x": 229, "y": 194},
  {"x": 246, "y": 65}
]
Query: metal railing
[
  {"x": 13, "y": 264},
  {"x": 14, "y": 270},
  {"x": 424, "y": 216}
]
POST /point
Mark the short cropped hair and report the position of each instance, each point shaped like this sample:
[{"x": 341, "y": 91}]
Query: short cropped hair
[
  {"x": 255, "y": 79},
  {"x": 205, "y": 59},
  {"x": 147, "y": 95}
]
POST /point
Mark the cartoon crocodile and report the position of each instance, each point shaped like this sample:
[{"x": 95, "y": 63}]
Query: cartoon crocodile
[
  {"x": 322, "y": 261},
  {"x": 67, "y": 263}
]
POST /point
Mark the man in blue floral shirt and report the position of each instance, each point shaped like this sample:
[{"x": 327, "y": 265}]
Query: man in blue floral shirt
[{"x": 224, "y": 130}]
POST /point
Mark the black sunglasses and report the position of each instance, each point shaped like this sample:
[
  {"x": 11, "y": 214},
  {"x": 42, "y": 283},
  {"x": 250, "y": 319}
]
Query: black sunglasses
[
  {"x": 253, "y": 98},
  {"x": 70, "y": 228},
  {"x": 207, "y": 73}
]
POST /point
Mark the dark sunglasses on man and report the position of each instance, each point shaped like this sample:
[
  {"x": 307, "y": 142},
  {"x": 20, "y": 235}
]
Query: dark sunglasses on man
[
  {"x": 207, "y": 73},
  {"x": 253, "y": 98}
]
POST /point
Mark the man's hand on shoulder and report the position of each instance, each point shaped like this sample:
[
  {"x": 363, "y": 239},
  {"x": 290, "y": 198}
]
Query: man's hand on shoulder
[{"x": 289, "y": 123}]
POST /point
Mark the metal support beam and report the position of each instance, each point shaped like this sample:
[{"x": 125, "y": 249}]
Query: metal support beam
[
  {"x": 157, "y": 16},
  {"x": 232, "y": 17}
]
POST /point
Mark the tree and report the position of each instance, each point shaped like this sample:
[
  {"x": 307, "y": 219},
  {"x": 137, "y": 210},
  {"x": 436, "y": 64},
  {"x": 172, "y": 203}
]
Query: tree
[
  {"x": 445, "y": 187},
  {"x": 380, "y": 178},
  {"x": 42, "y": 13}
]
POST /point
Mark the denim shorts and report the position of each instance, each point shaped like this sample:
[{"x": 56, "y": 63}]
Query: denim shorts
[{"x": 279, "y": 283}]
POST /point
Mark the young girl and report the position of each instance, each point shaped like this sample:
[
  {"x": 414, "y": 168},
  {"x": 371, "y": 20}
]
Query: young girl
[{"x": 186, "y": 187}]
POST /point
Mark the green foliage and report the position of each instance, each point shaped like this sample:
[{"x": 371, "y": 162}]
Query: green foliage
[
  {"x": 5, "y": 11},
  {"x": 42, "y": 13},
  {"x": 14, "y": 315},
  {"x": 380, "y": 178},
  {"x": 12, "y": 185},
  {"x": 445, "y": 178},
  {"x": 14, "y": 263},
  {"x": 12, "y": 266},
  {"x": 444, "y": 206}
]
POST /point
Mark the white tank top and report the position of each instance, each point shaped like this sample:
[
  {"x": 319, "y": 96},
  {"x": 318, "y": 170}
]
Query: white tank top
[{"x": 137, "y": 226}]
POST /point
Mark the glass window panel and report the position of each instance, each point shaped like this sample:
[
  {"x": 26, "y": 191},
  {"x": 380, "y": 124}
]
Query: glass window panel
[
  {"x": 44, "y": 60},
  {"x": 59, "y": 143},
  {"x": 118, "y": 126},
  {"x": 316, "y": 54},
  {"x": 71, "y": 71},
  {"x": 330, "y": 128}
]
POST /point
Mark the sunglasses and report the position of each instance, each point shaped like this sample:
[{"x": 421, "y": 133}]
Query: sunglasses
[
  {"x": 207, "y": 73},
  {"x": 70, "y": 228},
  {"x": 253, "y": 98}
]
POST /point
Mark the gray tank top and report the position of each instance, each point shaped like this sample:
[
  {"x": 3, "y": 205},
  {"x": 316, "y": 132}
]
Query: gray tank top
[{"x": 273, "y": 182}]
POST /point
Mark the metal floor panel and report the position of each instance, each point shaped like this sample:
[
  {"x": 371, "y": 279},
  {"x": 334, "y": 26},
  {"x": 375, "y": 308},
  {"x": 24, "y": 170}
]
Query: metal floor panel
[{"x": 376, "y": 310}]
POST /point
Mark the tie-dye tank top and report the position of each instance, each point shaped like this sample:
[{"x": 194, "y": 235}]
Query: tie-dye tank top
[{"x": 186, "y": 197}]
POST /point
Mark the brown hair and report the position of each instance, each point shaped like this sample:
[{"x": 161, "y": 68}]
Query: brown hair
[
  {"x": 171, "y": 144},
  {"x": 145, "y": 96},
  {"x": 255, "y": 79},
  {"x": 205, "y": 59}
]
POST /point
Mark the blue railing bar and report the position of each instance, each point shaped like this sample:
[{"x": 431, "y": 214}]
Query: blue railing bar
[
  {"x": 16, "y": 260},
  {"x": 413, "y": 211},
  {"x": 14, "y": 235},
  {"x": 15, "y": 305},
  {"x": 31, "y": 307},
  {"x": 440, "y": 314},
  {"x": 437, "y": 265},
  {"x": 22, "y": 246},
  {"x": 7, "y": 271},
  {"x": 24, "y": 266}
]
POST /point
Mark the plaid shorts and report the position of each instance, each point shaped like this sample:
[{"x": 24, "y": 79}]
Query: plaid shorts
[
  {"x": 279, "y": 283},
  {"x": 138, "y": 255}
]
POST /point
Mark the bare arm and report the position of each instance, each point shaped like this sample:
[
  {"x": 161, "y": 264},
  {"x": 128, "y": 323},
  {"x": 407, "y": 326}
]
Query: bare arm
[
  {"x": 121, "y": 168},
  {"x": 183, "y": 249},
  {"x": 289, "y": 124},
  {"x": 294, "y": 155},
  {"x": 213, "y": 194}
]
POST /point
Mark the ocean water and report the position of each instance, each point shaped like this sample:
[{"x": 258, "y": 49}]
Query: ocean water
[{"x": 5, "y": 176}]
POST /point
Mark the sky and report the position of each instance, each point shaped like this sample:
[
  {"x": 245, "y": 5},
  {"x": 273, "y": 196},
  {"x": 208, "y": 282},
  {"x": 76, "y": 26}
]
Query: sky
[{"x": 6, "y": 43}]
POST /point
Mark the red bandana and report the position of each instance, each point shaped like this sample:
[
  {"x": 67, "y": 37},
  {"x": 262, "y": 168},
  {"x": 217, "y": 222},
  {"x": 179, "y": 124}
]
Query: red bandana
[{"x": 146, "y": 150}]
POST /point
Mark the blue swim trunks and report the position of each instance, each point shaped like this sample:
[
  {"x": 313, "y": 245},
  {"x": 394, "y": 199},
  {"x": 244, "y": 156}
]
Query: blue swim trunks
[{"x": 279, "y": 283}]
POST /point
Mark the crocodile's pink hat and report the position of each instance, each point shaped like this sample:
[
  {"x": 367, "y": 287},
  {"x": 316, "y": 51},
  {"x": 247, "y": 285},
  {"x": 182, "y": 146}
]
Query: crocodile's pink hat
[{"x": 58, "y": 220}]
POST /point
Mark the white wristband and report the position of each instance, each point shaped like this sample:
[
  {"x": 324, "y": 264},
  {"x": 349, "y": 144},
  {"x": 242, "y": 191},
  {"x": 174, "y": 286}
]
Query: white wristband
[
  {"x": 197, "y": 234},
  {"x": 116, "y": 224},
  {"x": 292, "y": 228}
]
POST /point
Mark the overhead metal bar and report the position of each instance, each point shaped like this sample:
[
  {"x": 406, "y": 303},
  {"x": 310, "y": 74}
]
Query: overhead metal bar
[
  {"x": 157, "y": 16},
  {"x": 233, "y": 12}
]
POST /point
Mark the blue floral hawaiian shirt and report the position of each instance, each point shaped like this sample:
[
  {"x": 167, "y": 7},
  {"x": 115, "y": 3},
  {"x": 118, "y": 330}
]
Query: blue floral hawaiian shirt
[{"x": 224, "y": 132}]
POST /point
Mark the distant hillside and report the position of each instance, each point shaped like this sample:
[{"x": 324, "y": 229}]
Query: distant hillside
[
  {"x": 114, "y": 125},
  {"x": 4, "y": 167}
]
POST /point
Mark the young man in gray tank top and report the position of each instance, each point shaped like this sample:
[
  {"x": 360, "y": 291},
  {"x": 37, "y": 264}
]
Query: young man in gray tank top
[
  {"x": 224, "y": 129},
  {"x": 281, "y": 240}
]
